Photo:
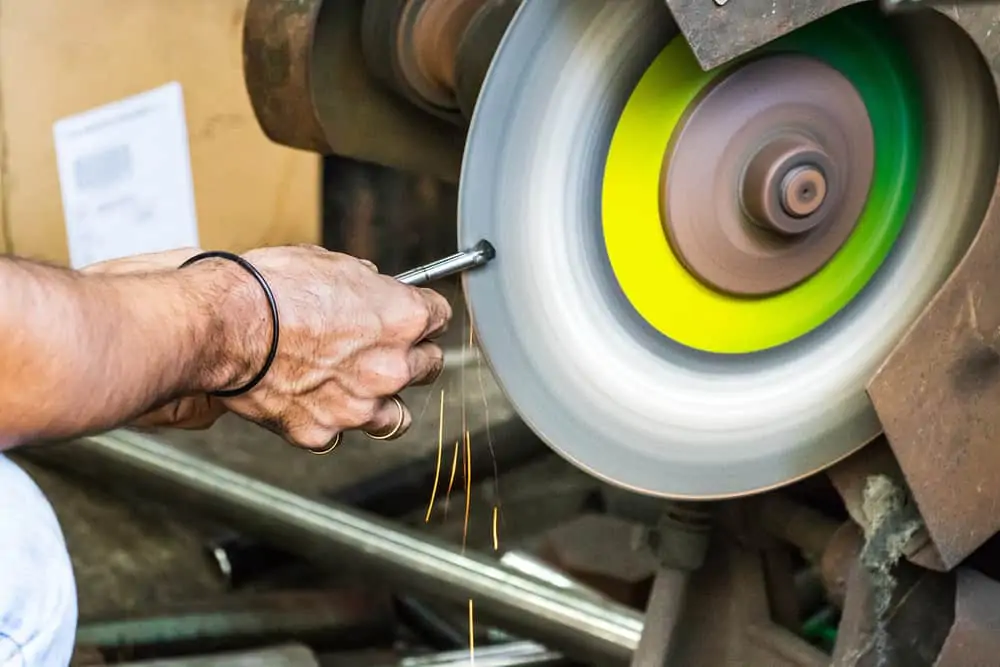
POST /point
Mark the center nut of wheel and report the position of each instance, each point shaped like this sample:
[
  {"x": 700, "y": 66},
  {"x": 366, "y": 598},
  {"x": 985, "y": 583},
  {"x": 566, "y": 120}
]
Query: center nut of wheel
[
  {"x": 767, "y": 175},
  {"x": 785, "y": 185}
]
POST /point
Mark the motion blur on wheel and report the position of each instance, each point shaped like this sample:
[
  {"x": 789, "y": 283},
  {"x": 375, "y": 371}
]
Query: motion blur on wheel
[{"x": 745, "y": 260}]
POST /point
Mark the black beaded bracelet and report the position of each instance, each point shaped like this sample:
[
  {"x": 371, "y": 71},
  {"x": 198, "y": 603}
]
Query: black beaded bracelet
[{"x": 272, "y": 353}]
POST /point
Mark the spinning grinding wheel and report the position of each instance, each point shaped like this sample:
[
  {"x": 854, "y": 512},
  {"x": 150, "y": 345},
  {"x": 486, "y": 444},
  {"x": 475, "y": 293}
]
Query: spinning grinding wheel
[{"x": 697, "y": 272}]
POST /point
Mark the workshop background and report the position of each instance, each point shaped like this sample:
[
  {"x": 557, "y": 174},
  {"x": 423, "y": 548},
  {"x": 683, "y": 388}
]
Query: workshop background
[{"x": 744, "y": 254}]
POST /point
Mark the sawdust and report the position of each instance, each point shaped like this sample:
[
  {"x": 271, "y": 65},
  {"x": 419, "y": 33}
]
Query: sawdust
[{"x": 891, "y": 522}]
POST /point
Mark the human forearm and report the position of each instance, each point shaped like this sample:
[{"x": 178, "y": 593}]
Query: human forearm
[{"x": 83, "y": 353}]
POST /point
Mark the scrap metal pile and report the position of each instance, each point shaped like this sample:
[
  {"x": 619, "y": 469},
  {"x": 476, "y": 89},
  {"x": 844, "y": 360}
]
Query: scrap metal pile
[{"x": 744, "y": 251}]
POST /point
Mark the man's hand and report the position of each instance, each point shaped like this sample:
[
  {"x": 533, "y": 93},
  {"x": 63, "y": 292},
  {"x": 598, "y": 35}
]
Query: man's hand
[
  {"x": 139, "y": 335},
  {"x": 192, "y": 412},
  {"x": 350, "y": 339}
]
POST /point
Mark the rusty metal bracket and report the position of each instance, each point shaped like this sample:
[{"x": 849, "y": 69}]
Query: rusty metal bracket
[
  {"x": 974, "y": 638},
  {"x": 853, "y": 474},
  {"x": 929, "y": 619},
  {"x": 899, "y": 617},
  {"x": 310, "y": 89},
  {"x": 726, "y": 619},
  {"x": 937, "y": 392},
  {"x": 722, "y": 31}
]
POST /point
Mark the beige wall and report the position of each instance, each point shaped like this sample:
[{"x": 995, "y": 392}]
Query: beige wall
[{"x": 61, "y": 57}]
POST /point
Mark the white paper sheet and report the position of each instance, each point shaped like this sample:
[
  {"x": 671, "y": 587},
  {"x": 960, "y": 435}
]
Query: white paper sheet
[{"x": 125, "y": 175}]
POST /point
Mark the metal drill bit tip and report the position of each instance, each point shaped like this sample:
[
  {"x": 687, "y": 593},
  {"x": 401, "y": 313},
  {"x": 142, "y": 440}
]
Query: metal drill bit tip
[{"x": 480, "y": 254}]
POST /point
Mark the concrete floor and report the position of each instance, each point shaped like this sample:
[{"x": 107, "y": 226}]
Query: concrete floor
[{"x": 139, "y": 555}]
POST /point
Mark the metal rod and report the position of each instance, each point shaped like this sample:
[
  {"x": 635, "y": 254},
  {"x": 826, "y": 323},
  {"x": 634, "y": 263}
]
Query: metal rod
[
  {"x": 293, "y": 655},
  {"x": 516, "y": 654},
  {"x": 337, "y": 538},
  {"x": 389, "y": 494},
  {"x": 334, "y": 619},
  {"x": 479, "y": 254},
  {"x": 536, "y": 568}
]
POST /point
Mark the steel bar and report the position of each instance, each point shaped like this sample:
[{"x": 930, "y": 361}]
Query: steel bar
[
  {"x": 289, "y": 656},
  {"x": 536, "y": 568},
  {"x": 389, "y": 494},
  {"x": 338, "y": 538},
  {"x": 323, "y": 619},
  {"x": 516, "y": 654}
]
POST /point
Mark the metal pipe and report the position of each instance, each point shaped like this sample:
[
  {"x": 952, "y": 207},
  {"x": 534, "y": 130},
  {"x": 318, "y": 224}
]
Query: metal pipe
[
  {"x": 293, "y": 655},
  {"x": 536, "y": 568},
  {"x": 337, "y": 538},
  {"x": 389, "y": 494},
  {"x": 516, "y": 654},
  {"x": 334, "y": 619}
]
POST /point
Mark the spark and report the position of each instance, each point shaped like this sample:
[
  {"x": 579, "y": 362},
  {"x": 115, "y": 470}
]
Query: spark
[
  {"x": 437, "y": 469},
  {"x": 496, "y": 537},
  {"x": 468, "y": 486},
  {"x": 472, "y": 635}
]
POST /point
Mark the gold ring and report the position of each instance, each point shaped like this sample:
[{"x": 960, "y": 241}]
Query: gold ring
[
  {"x": 332, "y": 446},
  {"x": 399, "y": 424}
]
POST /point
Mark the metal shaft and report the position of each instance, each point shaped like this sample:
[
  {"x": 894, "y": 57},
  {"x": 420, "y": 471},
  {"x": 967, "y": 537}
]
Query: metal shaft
[
  {"x": 338, "y": 538},
  {"x": 518, "y": 654},
  {"x": 479, "y": 254}
]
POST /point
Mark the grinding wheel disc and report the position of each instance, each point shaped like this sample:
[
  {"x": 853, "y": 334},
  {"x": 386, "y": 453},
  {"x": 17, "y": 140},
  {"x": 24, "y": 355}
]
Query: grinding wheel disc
[{"x": 583, "y": 368}]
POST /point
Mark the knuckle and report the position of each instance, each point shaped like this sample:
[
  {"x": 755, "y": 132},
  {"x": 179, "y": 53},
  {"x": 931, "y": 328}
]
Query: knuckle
[
  {"x": 437, "y": 363},
  {"x": 311, "y": 437},
  {"x": 432, "y": 360},
  {"x": 406, "y": 314},
  {"x": 435, "y": 352},
  {"x": 389, "y": 369},
  {"x": 418, "y": 317},
  {"x": 360, "y": 412},
  {"x": 399, "y": 371},
  {"x": 441, "y": 304}
]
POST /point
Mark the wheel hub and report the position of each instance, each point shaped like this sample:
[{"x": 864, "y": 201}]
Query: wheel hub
[
  {"x": 802, "y": 191},
  {"x": 767, "y": 175},
  {"x": 785, "y": 183}
]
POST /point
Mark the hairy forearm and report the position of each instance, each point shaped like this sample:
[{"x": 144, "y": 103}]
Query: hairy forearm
[{"x": 85, "y": 353}]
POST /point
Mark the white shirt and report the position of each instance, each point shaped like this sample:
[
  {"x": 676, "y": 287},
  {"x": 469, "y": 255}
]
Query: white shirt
[{"x": 38, "y": 611}]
